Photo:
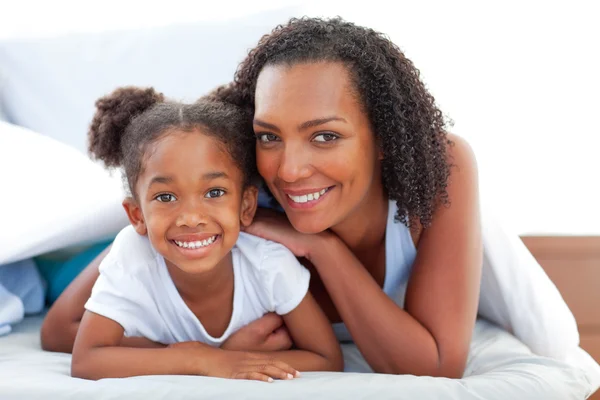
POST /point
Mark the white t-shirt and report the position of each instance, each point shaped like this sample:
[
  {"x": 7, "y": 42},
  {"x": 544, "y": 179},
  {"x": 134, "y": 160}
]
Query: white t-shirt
[{"x": 136, "y": 291}]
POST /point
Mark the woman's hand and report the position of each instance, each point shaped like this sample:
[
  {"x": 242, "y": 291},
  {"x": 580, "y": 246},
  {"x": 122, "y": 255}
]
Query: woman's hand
[
  {"x": 265, "y": 334},
  {"x": 272, "y": 225}
]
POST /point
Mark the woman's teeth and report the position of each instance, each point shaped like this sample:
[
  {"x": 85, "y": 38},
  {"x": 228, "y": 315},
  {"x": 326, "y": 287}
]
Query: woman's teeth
[
  {"x": 308, "y": 197},
  {"x": 197, "y": 244}
]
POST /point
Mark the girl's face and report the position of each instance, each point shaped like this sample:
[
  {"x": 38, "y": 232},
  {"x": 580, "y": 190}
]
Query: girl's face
[
  {"x": 315, "y": 148},
  {"x": 190, "y": 200}
]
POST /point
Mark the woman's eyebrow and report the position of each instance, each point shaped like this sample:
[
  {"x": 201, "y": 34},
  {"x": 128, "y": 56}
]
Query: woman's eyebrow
[
  {"x": 305, "y": 125},
  {"x": 265, "y": 125},
  {"x": 319, "y": 121}
]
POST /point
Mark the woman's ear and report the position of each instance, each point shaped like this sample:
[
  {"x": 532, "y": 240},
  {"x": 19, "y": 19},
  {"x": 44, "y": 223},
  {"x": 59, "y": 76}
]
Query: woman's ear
[
  {"x": 134, "y": 213},
  {"x": 249, "y": 204}
]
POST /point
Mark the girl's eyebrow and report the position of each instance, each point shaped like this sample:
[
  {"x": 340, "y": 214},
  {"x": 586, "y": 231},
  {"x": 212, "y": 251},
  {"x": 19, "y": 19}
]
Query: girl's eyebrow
[
  {"x": 209, "y": 176},
  {"x": 160, "y": 179}
]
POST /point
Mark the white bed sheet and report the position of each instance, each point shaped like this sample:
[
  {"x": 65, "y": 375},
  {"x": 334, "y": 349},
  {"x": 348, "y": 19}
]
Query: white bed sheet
[{"x": 499, "y": 367}]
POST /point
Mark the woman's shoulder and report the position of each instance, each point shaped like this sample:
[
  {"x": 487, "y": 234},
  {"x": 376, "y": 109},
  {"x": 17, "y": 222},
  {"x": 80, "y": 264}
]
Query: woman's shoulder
[
  {"x": 461, "y": 154},
  {"x": 463, "y": 177}
]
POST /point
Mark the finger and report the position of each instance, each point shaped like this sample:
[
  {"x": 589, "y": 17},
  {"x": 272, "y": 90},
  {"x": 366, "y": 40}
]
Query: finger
[
  {"x": 267, "y": 323},
  {"x": 273, "y": 371},
  {"x": 254, "y": 376},
  {"x": 278, "y": 340},
  {"x": 287, "y": 368},
  {"x": 266, "y": 363}
]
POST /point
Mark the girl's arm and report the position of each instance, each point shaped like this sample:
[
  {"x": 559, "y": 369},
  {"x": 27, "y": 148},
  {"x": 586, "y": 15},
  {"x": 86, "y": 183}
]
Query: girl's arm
[
  {"x": 97, "y": 354},
  {"x": 317, "y": 346},
  {"x": 62, "y": 321},
  {"x": 60, "y": 325},
  {"x": 431, "y": 336}
]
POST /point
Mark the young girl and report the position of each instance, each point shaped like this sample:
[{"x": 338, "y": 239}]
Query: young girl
[{"x": 183, "y": 275}]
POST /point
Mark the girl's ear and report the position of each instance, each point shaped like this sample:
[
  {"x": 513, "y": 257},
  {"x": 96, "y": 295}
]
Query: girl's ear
[
  {"x": 249, "y": 204},
  {"x": 134, "y": 213}
]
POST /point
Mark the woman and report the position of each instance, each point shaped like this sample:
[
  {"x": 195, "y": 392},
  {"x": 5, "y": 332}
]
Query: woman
[{"x": 380, "y": 200}]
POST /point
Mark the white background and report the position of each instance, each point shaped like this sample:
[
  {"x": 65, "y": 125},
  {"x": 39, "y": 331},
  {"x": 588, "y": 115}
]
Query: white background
[{"x": 520, "y": 80}]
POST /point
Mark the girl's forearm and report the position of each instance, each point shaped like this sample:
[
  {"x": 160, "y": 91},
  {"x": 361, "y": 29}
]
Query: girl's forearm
[
  {"x": 122, "y": 362},
  {"x": 303, "y": 360}
]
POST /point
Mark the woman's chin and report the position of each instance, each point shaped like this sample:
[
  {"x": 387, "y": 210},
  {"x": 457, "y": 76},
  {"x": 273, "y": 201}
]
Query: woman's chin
[{"x": 308, "y": 225}]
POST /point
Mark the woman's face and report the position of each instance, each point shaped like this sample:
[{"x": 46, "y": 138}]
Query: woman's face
[{"x": 315, "y": 148}]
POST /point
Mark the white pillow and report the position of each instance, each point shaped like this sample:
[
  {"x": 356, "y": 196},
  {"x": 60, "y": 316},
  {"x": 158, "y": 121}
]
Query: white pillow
[
  {"x": 53, "y": 196},
  {"x": 517, "y": 294},
  {"x": 50, "y": 84}
]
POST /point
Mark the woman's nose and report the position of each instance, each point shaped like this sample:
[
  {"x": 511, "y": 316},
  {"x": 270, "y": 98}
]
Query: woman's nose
[{"x": 294, "y": 165}]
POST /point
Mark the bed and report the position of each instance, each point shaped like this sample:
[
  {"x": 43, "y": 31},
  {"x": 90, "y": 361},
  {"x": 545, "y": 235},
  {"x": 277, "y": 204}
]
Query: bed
[{"x": 499, "y": 367}]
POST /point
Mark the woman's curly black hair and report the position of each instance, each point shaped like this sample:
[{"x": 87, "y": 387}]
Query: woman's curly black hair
[
  {"x": 408, "y": 125},
  {"x": 129, "y": 119}
]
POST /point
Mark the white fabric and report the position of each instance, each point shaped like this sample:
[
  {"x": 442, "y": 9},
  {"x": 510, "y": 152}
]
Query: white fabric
[
  {"x": 50, "y": 84},
  {"x": 517, "y": 294},
  {"x": 22, "y": 291},
  {"x": 135, "y": 289},
  {"x": 499, "y": 368},
  {"x": 54, "y": 196}
]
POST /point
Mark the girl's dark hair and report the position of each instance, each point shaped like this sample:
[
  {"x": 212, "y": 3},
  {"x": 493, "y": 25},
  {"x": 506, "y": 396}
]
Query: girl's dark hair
[
  {"x": 408, "y": 125},
  {"x": 129, "y": 119}
]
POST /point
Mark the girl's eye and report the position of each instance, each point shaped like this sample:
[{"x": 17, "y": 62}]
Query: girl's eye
[
  {"x": 165, "y": 198},
  {"x": 326, "y": 137},
  {"x": 266, "y": 137},
  {"x": 215, "y": 193}
]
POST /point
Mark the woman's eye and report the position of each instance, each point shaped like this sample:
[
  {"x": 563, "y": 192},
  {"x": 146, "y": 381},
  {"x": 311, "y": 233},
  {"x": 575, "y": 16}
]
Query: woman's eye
[
  {"x": 215, "y": 193},
  {"x": 266, "y": 137},
  {"x": 325, "y": 137},
  {"x": 165, "y": 198}
]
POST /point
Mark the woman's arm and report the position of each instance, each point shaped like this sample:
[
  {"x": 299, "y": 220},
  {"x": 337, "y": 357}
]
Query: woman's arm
[
  {"x": 317, "y": 346},
  {"x": 62, "y": 321},
  {"x": 98, "y": 354},
  {"x": 431, "y": 336}
]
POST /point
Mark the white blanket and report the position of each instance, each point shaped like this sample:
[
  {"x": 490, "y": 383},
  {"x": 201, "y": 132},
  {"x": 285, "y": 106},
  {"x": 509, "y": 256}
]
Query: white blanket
[
  {"x": 22, "y": 292},
  {"x": 499, "y": 367}
]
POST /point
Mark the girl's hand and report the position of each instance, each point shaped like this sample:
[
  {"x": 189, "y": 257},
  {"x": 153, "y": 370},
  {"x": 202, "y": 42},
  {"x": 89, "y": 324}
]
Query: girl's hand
[
  {"x": 272, "y": 225},
  {"x": 265, "y": 334},
  {"x": 252, "y": 366}
]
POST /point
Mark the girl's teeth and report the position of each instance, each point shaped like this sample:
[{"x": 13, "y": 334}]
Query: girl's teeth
[
  {"x": 197, "y": 244},
  {"x": 307, "y": 197}
]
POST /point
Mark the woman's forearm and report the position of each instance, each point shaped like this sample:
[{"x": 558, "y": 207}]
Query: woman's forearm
[{"x": 391, "y": 340}]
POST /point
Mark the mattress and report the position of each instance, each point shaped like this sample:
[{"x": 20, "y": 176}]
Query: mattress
[{"x": 499, "y": 367}]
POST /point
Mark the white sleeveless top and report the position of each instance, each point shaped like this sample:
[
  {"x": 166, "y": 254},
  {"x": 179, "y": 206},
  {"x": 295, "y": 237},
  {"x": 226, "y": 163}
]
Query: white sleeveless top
[{"x": 400, "y": 253}]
